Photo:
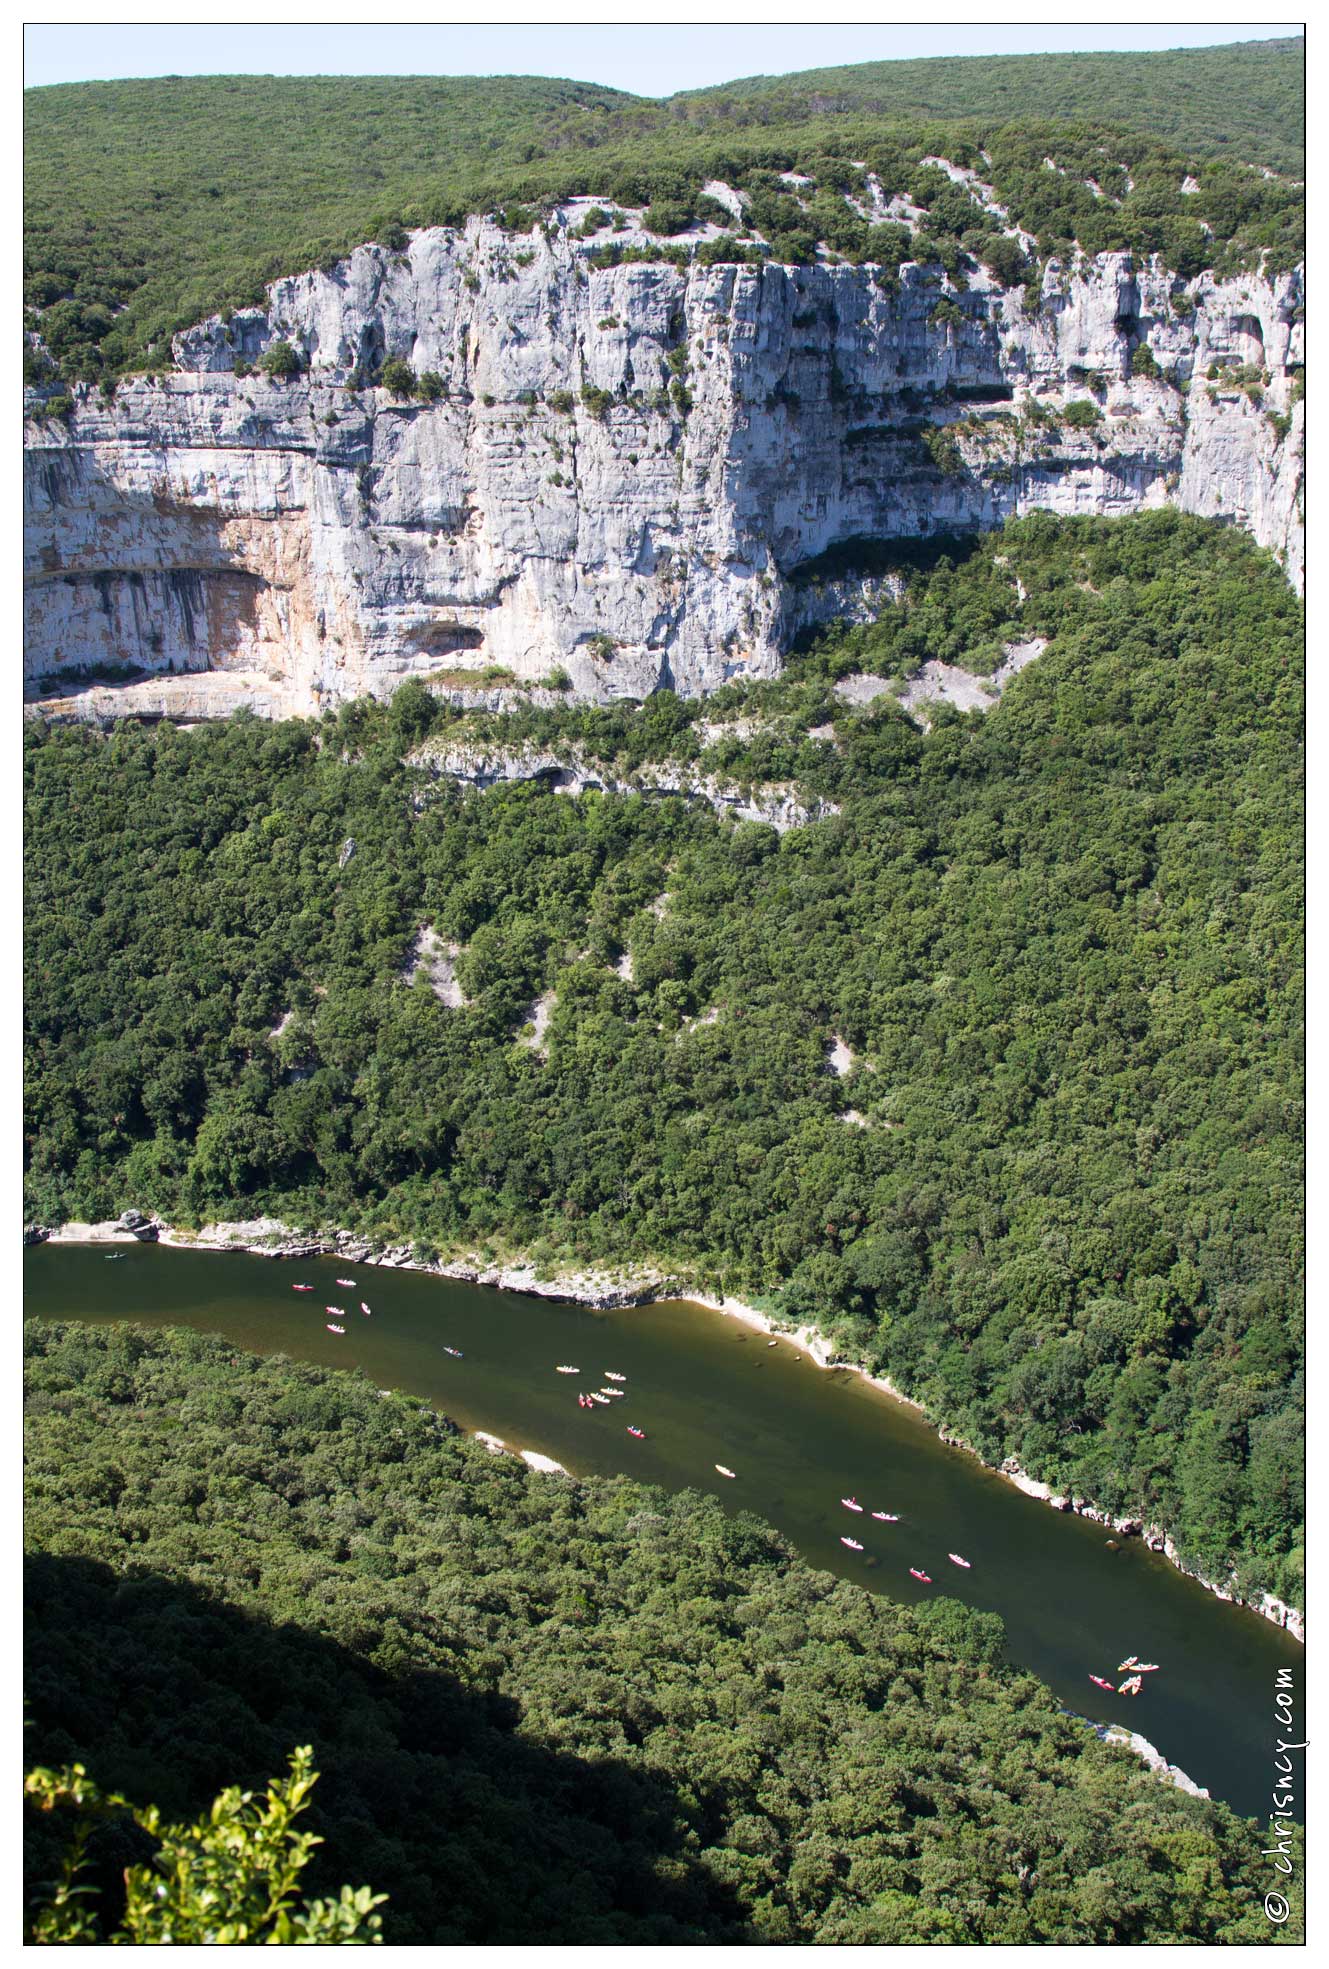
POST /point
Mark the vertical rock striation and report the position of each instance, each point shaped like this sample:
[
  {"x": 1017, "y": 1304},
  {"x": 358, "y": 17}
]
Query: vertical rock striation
[{"x": 647, "y": 475}]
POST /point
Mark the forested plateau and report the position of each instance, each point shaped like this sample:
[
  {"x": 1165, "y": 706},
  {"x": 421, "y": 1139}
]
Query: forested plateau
[
  {"x": 151, "y": 204},
  {"x": 548, "y": 1711},
  {"x": 1053, "y": 1192}
]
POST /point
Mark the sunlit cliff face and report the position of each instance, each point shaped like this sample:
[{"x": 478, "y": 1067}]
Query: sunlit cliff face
[{"x": 644, "y": 476}]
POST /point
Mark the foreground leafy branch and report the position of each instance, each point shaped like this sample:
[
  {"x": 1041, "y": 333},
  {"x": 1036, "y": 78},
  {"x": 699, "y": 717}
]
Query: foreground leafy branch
[{"x": 231, "y": 1876}]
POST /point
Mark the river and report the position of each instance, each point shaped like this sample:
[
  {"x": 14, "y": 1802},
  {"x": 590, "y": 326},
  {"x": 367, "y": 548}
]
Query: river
[{"x": 710, "y": 1390}]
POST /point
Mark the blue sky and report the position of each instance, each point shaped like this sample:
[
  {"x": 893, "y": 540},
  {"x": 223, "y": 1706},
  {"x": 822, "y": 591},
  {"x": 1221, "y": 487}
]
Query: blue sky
[{"x": 654, "y": 60}]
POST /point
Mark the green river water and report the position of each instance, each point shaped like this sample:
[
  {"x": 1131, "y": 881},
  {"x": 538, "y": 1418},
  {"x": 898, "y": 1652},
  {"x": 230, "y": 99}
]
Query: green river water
[{"x": 709, "y": 1390}]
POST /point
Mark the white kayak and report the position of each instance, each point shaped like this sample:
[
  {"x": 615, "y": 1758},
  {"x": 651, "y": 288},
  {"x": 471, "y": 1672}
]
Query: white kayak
[
  {"x": 723, "y": 1472},
  {"x": 346, "y": 1281},
  {"x": 851, "y": 1504},
  {"x": 852, "y": 1543},
  {"x": 567, "y": 1370},
  {"x": 365, "y": 1310},
  {"x": 956, "y": 1560},
  {"x": 887, "y": 1517},
  {"x": 611, "y": 1376},
  {"x": 333, "y": 1329}
]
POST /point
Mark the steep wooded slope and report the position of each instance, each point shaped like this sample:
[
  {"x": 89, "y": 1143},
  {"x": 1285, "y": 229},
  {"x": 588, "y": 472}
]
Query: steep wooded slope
[{"x": 548, "y": 1710}]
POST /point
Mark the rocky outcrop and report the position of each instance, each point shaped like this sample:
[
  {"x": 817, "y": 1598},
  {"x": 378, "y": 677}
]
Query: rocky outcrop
[
  {"x": 269, "y": 1237},
  {"x": 1132, "y": 1740},
  {"x": 645, "y": 475},
  {"x": 569, "y": 770}
]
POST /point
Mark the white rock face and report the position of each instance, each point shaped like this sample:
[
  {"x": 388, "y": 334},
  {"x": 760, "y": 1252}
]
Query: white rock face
[
  {"x": 292, "y": 545},
  {"x": 839, "y": 1057},
  {"x": 435, "y": 960},
  {"x": 950, "y": 683},
  {"x": 569, "y": 770}
]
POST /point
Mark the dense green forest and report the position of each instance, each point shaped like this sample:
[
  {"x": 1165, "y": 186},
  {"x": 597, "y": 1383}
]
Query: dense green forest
[
  {"x": 1241, "y": 99},
  {"x": 1061, "y": 940},
  {"x": 550, "y": 1711},
  {"x": 151, "y": 204}
]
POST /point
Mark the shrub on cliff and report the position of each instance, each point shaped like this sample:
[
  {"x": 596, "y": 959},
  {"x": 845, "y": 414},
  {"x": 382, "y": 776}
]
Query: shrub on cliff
[
  {"x": 398, "y": 378},
  {"x": 280, "y": 362},
  {"x": 1003, "y": 258},
  {"x": 667, "y": 216}
]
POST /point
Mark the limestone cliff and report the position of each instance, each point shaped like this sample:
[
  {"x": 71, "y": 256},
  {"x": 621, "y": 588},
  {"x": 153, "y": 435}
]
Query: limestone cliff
[{"x": 747, "y": 439}]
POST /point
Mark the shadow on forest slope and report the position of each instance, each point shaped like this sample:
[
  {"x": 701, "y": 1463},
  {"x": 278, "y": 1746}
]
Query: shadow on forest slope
[{"x": 428, "y": 1792}]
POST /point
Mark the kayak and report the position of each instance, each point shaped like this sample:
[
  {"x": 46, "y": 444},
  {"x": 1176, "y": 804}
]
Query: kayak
[
  {"x": 602, "y": 1399},
  {"x": 346, "y": 1281},
  {"x": 340, "y": 1311},
  {"x": 852, "y": 1543},
  {"x": 455, "y": 1352},
  {"x": 956, "y": 1560},
  {"x": 1122, "y": 1666},
  {"x": 1145, "y": 1667},
  {"x": 1102, "y": 1683},
  {"x": 611, "y": 1376},
  {"x": 1131, "y": 1686},
  {"x": 616, "y": 1394},
  {"x": 887, "y": 1517},
  {"x": 567, "y": 1370},
  {"x": 723, "y": 1472},
  {"x": 920, "y": 1575},
  {"x": 302, "y": 1288},
  {"x": 333, "y": 1329},
  {"x": 636, "y": 1432},
  {"x": 365, "y": 1310},
  {"x": 851, "y": 1504}
]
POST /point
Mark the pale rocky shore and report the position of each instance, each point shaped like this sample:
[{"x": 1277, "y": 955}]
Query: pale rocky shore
[
  {"x": 1153, "y": 1757},
  {"x": 606, "y": 1289}
]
